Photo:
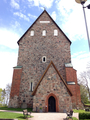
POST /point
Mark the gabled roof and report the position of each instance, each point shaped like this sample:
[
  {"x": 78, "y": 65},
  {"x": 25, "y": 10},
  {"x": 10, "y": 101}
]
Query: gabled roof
[
  {"x": 51, "y": 63},
  {"x": 35, "y": 22}
]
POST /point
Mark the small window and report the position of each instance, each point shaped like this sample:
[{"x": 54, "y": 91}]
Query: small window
[
  {"x": 44, "y": 59},
  {"x": 44, "y": 33},
  {"x": 32, "y": 33},
  {"x": 55, "y": 32},
  {"x": 31, "y": 86},
  {"x": 71, "y": 83}
]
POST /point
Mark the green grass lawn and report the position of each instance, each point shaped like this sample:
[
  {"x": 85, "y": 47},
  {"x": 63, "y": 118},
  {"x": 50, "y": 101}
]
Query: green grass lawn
[
  {"x": 87, "y": 104},
  {"x": 19, "y": 116},
  {"x": 81, "y": 111},
  {"x": 10, "y": 115},
  {"x": 74, "y": 118},
  {"x": 15, "y": 109}
]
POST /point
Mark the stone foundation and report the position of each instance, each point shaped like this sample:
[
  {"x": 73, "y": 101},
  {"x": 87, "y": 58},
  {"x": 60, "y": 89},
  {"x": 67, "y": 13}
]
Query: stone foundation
[{"x": 13, "y": 102}]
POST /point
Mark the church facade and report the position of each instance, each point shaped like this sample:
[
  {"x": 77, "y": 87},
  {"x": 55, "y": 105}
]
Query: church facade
[{"x": 44, "y": 77}]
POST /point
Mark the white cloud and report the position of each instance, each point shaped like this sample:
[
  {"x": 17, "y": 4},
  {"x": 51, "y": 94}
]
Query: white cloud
[
  {"x": 42, "y": 8},
  {"x": 44, "y": 3},
  {"x": 14, "y": 4},
  {"x": 21, "y": 16},
  {"x": 7, "y": 59},
  {"x": 65, "y": 7},
  {"x": 9, "y": 38},
  {"x": 7, "y": 62},
  {"x": 53, "y": 15},
  {"x": 73, "y": 22},
  {"x": 16, "y": 25},
  {"x": 32, "y": 16},
  {"x": 80, "y": 60}
]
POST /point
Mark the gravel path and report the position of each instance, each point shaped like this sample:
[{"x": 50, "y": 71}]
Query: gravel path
[
  {"x": 46, "y": 116},
  {"x": 50, "y": 116}
]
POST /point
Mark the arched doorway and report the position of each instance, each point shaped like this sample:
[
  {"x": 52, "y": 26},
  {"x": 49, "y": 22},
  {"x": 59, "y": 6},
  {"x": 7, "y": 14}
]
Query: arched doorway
[{"x": 51, "y": 104}]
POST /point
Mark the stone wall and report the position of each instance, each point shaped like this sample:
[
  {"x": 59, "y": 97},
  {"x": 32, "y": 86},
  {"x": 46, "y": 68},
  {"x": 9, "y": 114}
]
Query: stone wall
[
  {"x": 13, "y": 102},
  {"x": 52, "y": 85},
  {"x": 33, "y": 48}
]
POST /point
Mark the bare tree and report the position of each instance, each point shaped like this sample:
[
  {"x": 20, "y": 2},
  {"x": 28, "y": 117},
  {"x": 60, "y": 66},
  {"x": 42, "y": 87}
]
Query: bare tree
[
  {"x": 84, "y": 94},
  {"x": 3, "y": 96},
  {"x": 88, "y": 77},
  {"x": 8, "y": 89},
  {"x": 88, "y": 66},
  {"x": 84, "y": 78}
]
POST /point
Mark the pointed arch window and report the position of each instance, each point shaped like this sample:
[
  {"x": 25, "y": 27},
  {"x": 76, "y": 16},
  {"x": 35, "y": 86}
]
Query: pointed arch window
[
  {"x": 55, "y": 32},
  {"x": 44, "y": 33}
]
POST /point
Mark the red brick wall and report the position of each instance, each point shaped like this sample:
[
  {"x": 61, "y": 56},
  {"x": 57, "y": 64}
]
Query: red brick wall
[
  {"x": 69, "y": 74},
  {"x": 74, "y": 76},
  {"x": 78, "y": 94},
  {"x": 75, "y": 89},
  {"x": 16, "y": 82}
]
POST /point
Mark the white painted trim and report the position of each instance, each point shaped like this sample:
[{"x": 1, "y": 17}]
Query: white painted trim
[
  {"x": 45, "y": 59},
  {"x": 44, "y": 21},
  {"x": 17, "y": 68},
  {"x": 68, "y": 65}
]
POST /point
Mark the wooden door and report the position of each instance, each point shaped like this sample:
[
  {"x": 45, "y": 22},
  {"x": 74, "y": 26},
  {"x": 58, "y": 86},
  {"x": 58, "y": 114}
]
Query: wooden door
[{"x": 51, "y": 104}]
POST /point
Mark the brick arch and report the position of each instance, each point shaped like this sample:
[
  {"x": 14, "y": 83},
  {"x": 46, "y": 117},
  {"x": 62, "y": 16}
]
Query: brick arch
[{"x": 57, "y": 101}]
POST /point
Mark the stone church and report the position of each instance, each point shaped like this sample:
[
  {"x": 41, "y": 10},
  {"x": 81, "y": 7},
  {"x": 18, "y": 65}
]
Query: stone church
[{"x": 44, "y": 77}]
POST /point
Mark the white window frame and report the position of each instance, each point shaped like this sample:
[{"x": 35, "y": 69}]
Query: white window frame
[
  {"x": 32, "y": 33},
  {"x": 43, "y": 58},
  {"x": 55, "y": 32},
  {"x": 44, "y": 33},
  {"x": 44, "y": 21}
]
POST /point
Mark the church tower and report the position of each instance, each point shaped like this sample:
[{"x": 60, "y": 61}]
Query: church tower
[{"x": 44, "y": 76}]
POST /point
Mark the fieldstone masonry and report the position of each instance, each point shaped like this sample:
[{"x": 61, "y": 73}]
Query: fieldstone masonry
[
  {"x": 52, "y": 83},
  {"x": 31, "y": 51}
]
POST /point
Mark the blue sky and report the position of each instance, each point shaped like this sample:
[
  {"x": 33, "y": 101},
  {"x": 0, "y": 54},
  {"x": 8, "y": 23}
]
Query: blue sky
[{"x": 16, "y": 16}]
